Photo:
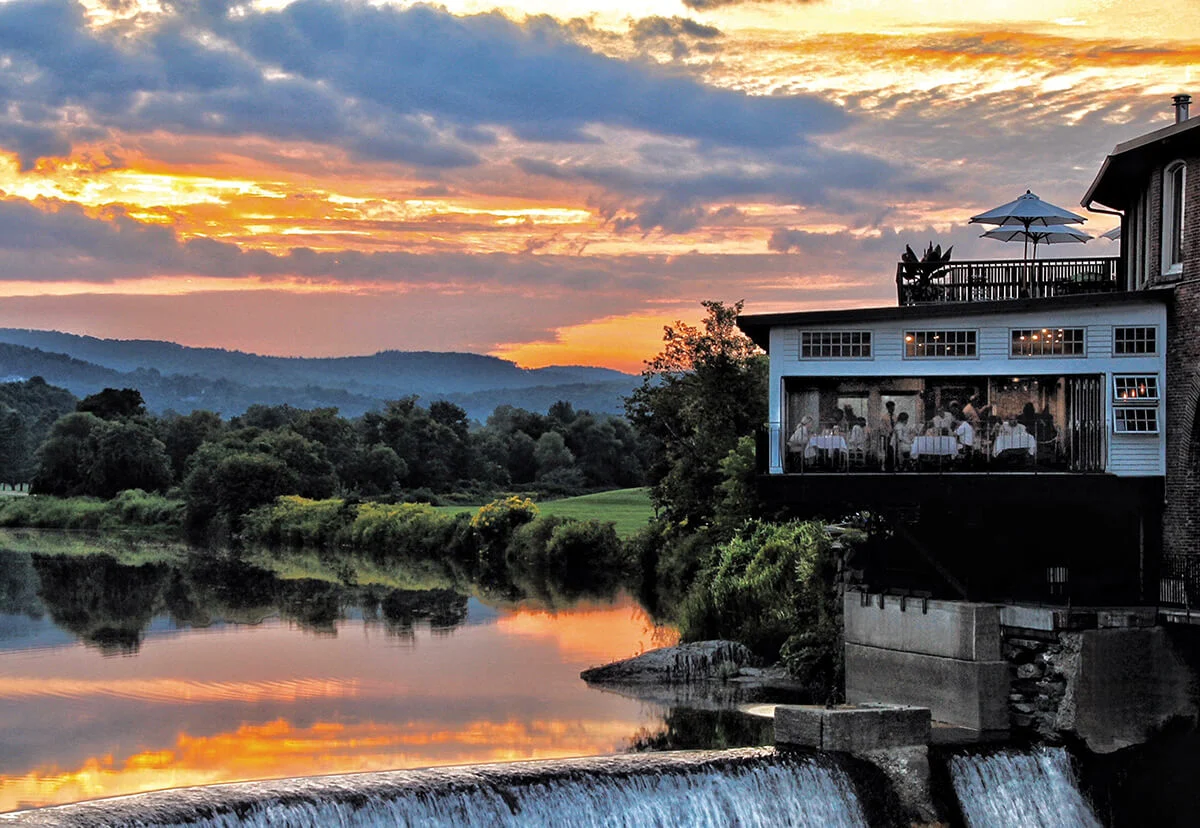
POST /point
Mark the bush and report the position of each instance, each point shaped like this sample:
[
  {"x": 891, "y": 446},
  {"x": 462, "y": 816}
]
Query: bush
[
  {"x": 495, "y": 522},
  {"x": 772, "y": 588},
  {"x": 132, "y": 508},
  {"x": 135, "y": 507}
]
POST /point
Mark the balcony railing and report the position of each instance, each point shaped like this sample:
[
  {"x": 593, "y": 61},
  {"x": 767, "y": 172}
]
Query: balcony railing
[
  {"x": 994, "y": 281},
  {"x": 1078, "y": 446}
]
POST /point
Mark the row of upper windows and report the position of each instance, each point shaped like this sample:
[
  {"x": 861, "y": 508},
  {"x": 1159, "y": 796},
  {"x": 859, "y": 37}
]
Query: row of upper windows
[{"x": 1026, "y": 342}]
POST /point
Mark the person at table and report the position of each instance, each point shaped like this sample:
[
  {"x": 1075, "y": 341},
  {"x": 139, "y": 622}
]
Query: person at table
[
  {"x": 887, "y": 427},
  {"x": 799, "y": 439},
  {"x": 1013, "y": 427},
  {"x": 838, "y": 424},
  {"x": 965, "y": 433},
  {"x": 859, "y": 435},
  {"x": 942, "y": 422},
  {"x": 902, "y": 437},
  {"x": 1028, "y": 418}
]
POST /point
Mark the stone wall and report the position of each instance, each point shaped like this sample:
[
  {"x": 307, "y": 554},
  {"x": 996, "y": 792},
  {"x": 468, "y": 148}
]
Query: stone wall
[{"x": 1110, "y": 688}]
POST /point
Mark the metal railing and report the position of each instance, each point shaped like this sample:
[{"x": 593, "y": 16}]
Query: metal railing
[
  {"x": 1077, "y": 446},
  {"x": 1179, "y": 580},
  {"x": 993, "y": 281}
]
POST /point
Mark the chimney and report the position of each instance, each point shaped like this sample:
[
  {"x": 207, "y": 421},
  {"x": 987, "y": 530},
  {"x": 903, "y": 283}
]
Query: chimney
[{"x": 1182, "y": 102}]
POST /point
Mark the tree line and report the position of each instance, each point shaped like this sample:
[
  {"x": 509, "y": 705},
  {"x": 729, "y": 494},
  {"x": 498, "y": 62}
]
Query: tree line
[{"x": 107, "y": 443}]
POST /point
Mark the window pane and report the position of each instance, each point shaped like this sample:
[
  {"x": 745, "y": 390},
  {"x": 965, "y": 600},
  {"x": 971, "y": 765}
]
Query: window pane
[
  {"x": 1130, "y": 341},
  {"x": 1047, "y": 342},
  {"x": 835, "y": 344},
  {"x": 939, "y": 344}
]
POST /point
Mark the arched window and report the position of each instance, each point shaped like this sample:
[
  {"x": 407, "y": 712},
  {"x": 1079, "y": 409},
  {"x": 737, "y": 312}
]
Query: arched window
[{"x": 1174, "y": 181}]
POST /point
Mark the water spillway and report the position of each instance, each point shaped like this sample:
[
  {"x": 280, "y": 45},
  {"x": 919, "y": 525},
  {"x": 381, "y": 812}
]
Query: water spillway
[
  {"x": 1027, "y": 788},
  {"x": 699, "y": 788}
]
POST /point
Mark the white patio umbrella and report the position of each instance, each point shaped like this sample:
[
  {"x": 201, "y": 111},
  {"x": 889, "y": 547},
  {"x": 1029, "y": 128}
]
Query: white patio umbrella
[
  {"x": 1113, "y": 234},
  {"x": 1052, "y": 234},
  {"x": 1027, "y": 212}
]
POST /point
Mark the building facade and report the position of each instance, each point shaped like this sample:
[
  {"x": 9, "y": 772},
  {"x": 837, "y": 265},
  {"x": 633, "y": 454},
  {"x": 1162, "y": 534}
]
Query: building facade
[{"x": 1031, "y": 428}]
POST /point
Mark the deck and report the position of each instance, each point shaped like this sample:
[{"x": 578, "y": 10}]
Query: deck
[{"x": 994, "y": 281}]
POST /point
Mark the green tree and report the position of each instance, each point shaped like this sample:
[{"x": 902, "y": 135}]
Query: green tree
[
  {"x": 15, "y": 459},
  {"x": 114, "y": 404},
  {"x": 698, "y": 397},
  {"x": 225, "y": 483},
  {"x": 127, "y": 455},
  {"x": 64, "y": 460},
  {"x": 183, "y": 435}
]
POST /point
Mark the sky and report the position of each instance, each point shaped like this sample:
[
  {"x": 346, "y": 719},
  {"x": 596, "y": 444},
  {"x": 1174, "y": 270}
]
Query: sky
[{"x": 551, "y": 181}]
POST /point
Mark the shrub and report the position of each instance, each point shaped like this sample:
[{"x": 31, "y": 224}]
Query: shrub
[
  {"x": 772, "y": 588},
  {"x": 495, "y": 522},
  {"x": 135, "y": 507}
]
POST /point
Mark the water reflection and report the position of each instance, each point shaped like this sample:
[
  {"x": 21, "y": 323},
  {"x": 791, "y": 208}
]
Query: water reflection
[{"x": 194, "y": 668}]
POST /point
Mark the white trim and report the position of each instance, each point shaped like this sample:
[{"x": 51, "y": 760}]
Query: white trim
[{"x": 1169, "y": 207}]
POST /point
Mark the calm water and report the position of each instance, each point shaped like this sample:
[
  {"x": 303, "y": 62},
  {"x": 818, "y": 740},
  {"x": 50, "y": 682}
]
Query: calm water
[{"x": 151, "y": 671}]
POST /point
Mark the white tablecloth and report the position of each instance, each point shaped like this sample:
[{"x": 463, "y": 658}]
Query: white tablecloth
[
  {"x": 826, "y": 442},
  {"x": 941, "y": 445},
  {"x": 1004, "y": 442}
]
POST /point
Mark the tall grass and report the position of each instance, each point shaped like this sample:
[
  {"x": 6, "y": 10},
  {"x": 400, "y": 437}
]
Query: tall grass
[{"x": 132, "y": 509}]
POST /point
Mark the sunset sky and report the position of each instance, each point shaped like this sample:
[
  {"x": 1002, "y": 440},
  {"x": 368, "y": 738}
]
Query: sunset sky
[{"x": 547, "y": 180}]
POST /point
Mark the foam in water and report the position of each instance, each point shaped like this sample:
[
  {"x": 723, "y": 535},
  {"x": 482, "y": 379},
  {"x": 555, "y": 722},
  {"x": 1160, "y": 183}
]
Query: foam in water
[
  {"x": 1020, "y": 788},
  {"x": 744, "y": 788}
]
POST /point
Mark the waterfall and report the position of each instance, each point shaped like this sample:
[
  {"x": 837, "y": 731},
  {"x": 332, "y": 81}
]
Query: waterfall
[
  {"x": 1025, "y": 788},
  {"x": 701, "y": 788}
]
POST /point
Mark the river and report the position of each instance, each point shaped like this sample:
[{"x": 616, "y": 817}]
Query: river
[{"x": 125, "y": 669}]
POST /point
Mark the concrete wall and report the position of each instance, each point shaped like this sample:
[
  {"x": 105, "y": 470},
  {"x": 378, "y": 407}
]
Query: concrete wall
[
  {"x": 952, "y": 629},
  {"x": 1129, "y": 684},
  {"x": 970, "y": 694},
  {"x": 946, "y": 658}
]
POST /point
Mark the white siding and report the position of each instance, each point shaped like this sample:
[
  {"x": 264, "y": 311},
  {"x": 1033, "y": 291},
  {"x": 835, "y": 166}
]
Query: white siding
[{"x": 1138, "y": 454}]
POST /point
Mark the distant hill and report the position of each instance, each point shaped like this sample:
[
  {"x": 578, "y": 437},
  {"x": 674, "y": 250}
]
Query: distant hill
[{"x": 172, "y": 376}]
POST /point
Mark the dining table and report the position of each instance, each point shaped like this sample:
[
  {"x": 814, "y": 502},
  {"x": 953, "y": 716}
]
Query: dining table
[
  {"x": 939, "y": 445},
  {"x": 825, "y": 442},
  {"x": 1015, "y": 440}
]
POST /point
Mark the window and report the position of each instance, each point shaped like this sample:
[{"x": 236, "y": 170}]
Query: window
[
  {"x": 1135, "y": 387},
  {"x": 1174, "y": 180},
  {"x": 1034, "y": 342},
  {"x": 939, "y": 344},
  {"x": 1133, "y": 341},
  {"x": 835, "y": 344},
  {"x": 1135, "y": 420}
]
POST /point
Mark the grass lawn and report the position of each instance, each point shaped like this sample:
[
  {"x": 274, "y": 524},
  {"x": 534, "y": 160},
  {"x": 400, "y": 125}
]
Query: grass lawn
[{"x": 628, "y": 509}]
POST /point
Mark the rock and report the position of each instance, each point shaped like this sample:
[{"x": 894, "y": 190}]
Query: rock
[
  {"x": 699, "y": 661},
  {"x": 1022, "y": 707}
]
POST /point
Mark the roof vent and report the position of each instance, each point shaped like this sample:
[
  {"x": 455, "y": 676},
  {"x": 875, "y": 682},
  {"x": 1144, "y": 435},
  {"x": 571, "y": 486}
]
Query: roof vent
[{"x": 1182, "y": 102}]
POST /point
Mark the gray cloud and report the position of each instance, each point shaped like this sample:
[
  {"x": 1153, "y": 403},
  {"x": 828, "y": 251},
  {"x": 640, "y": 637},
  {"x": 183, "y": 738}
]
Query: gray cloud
[{"x": 416, "y": 85}]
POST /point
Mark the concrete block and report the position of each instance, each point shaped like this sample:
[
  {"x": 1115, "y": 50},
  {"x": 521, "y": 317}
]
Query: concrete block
[
  {"x": 1046, "y": 619},
  {"x": 851, "y": 729},
  {"x": 970, "y": 694},
  {"x": 951, "y": 629}
]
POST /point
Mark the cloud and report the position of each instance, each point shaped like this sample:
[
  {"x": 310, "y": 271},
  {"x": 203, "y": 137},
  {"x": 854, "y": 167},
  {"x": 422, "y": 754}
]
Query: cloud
[
  {"x": 415, "y": 85},
  {"x": 709, "y": 5}
]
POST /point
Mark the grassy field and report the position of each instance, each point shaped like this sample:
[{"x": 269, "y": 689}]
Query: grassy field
[{"x": 628, "y": 509}]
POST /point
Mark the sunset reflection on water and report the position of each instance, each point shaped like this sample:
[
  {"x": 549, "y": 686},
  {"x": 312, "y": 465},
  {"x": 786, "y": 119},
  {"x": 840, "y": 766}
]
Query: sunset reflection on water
[{"x": 240, "y": 702}]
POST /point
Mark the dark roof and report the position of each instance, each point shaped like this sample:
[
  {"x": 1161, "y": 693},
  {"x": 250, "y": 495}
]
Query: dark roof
[
  {"x": 758, "y": 326},
  {"x": 1123, "y": 173}
]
